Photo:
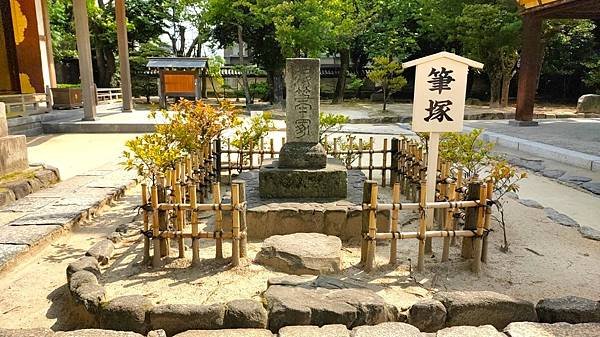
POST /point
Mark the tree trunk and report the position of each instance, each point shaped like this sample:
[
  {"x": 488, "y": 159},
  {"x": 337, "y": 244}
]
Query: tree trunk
[
  {"x": 340, "y": 87},
  {"x": 384, "y": 88},
  {"x": 244, "y": 77},
  {"x": 505, "y": 89},
  {"x": 495, "y": 87},
  {"x": 100, "y": 65},
  {"x": 111, "y": 66}
]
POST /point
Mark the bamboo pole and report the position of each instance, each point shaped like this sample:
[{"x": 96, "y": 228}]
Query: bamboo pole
[
  {"x": 360, "y": 149},
  {"x": 478, "y": 240},
  {"x": 365, "y": 220},
  {"x": 471, "y": 218},
  {"x": 372, "y": 229},
  {"x": 146, "y": 258},
  {"x": 156, "y": 261},
  {"x": 486, "y": 224},
  {"x": 272, "y": 148},
  {"x": 448, "y": 221},
  {"x": 229, "y": 159},
  {"x": 394, "y": 225},
  {"x": 163, "y": 217},
  {"x": 194, "y": 220},
  {"x": 235, "y": 226},
  {"x": 179, "y": 214},
  {"x": 428, "y": 234},
  {"x": 243, "y": 223},
  {"x": 370, "y": 158},
  {"x": 216, "y": 194},
  {"x": 262, "y": 150},
  {"x": 422, "y": 227},
  {"x": 384, "y": 169},
  {"x": 394, "y": 161}
]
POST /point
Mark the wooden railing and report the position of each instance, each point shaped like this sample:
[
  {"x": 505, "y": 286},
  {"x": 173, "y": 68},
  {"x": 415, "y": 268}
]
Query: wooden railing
[
  {"x": 108, "y": 95},
  {"x": 21, "y": 105}
]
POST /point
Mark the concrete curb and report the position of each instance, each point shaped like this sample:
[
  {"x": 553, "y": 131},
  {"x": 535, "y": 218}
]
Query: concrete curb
[{"x": 574, "y": 158}]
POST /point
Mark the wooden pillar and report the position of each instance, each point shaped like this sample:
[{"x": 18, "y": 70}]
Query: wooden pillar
[
  {"x": 530, "y": 67},
  {"x": 48, "y": 41},
  {"x": 121, "y": 21},
  {"x": 204, "y": 74},
  {"x": 82, "y": 33}
]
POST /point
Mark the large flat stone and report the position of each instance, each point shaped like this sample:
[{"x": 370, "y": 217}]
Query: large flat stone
[
  {"x": 477, "y": 308},
  {"x": 39, "y": 332},
  {"x": 333, "y": 330},
  {"x": 9, "y": 252},
  {"x": 26, "y": 235},
  {"x": 328, "y": 182},
  {"x": 96, "y": 333},
  {"x": 560, "y": 218},
  {"x": 569, "y": 309},
  {"x": 588, "y": 104},
  {"x": 470, "y": 331},
  {"x": 302, "y": 253},
  {"x": 589, "y": 233},
  {"x": 52, "y": 215},
  {"x": 389, "y": 329},
  {"x": 176, "y": 318},
  {"x": 13, "y": 154},
  {"x": 427, "y": 315},
  {"x": 226, "y": 333},
  {"x": 530, "y": 329}
]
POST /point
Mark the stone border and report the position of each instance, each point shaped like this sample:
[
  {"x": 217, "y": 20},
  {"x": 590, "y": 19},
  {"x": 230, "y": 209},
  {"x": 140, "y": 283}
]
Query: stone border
[{"x": 30, "y": 181}]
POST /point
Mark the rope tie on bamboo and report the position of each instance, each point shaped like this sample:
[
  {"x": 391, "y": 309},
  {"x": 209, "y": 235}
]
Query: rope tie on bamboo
[
  {"x": 367, "y": 237},
  {"x": 397, "y": 206},
  {"x": 368, "y": 207},
  {"x": 147, "y": 233},
  {"x": 145, "y": 207},
  {"x": 218, "y": 234},
  {"x": 241, "y": 206}
]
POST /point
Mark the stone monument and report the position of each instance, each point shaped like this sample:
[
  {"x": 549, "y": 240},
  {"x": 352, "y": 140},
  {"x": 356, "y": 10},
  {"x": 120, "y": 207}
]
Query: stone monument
[
  {"x": 303, "y": 169},
  {"x": 13, "y": 149}
]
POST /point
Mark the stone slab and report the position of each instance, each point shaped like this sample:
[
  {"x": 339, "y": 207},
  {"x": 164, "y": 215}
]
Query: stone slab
[
  {"x": 226, "y": 333},
  {"x": 388, "y": 329},
  {"x": 328, "y": 182},
  {"x": 332, "y": 330},
  {"x": 52, "y": 215},
  {"x": 568, "y": 309},
  {"x": 302, "y": 156},
  {"x": 302, "y": 83},
  {"x": 9, "y": 252},
  {"x": 531, "y": 329},
  {"x": 25, "y": 235},
  {"x": 470, "y": 331},
  {"x": 13, "y": 154},
  {"x": 589, "y": 233},
  {"x": 30, "y": 203},
  {"x": 560, "y": 218}
]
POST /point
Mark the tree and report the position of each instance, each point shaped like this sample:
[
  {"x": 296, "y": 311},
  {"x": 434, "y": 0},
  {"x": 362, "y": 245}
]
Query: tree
[
  {"x": 491, "y": 34},
  {"x": 143, "y": 83},
  {"x": 387, "y": 74}
]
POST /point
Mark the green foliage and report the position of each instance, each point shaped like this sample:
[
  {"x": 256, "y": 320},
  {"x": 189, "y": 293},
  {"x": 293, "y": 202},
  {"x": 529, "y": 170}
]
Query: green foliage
[
  {"x": 592, "y": 76},
  {"x": 466, "y": 150},
  {"x": 387, "y": 74},
  {"x": 150, "y": 154},
  {"x": 259, "y": 90},
  {"x": 215, "y": 64},
  {"x": 143, "y": 83},
  {"x": 330, "y": 123},
  {"x": 248, "y": 135},
  {"x": 354, "y": 83}
]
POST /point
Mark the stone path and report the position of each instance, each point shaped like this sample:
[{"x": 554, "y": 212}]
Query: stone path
[{"x": 45, "y": 214}]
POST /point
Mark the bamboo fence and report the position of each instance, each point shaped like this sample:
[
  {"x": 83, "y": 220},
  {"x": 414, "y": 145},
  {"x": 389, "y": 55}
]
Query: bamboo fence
[{"x": 171, "y": 208}]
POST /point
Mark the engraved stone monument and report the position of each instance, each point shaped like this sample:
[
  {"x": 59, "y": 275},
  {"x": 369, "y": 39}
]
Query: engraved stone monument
[
  {"x": 303, "y": 169},
  {"x": 13, "y": 149}
]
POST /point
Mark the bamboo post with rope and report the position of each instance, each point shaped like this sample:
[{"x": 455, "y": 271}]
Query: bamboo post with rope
[
  {"x": 235, "y": 226},
  {"x": 243, "y": 223},
  {"x": 146, "y": 258},
  {"x": 394, "y": 224},
  {"x": 478, "y": 240},
  {"x": 216, "y": 198},
  {"x": 422, "y": 226},
  {"x": 372, "y": 231},
  {"x": 367, "y": 188},
  {"x": 156, "y": 258},
  {"x": 449, "y": 220},
  {"x": 486, "y": 224},
  {"x": 194, "y": 221}
]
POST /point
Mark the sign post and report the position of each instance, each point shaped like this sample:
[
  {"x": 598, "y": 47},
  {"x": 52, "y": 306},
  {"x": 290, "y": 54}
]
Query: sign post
[{"x": 438, "y": 106}]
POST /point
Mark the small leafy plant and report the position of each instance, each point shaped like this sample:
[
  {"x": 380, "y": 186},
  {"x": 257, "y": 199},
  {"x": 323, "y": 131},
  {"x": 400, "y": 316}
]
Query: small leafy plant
[{"x": 248, "y": 135}]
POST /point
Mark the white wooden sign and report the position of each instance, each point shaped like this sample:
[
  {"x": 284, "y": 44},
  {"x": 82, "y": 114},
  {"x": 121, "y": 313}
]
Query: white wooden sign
[{"x": 440, "y": 91}]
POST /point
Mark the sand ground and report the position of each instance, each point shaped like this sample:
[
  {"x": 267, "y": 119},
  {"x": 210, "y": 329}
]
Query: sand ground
[{"x": 544, "y": 260}]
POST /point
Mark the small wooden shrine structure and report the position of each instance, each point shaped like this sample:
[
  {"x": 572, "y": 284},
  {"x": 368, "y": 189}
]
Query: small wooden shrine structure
[{"x": 180, "y": 77}]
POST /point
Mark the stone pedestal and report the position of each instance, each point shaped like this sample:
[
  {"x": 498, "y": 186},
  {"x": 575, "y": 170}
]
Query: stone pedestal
[
  {"x": 13, "y": 149},
  {"x": 328, "y": 182}
]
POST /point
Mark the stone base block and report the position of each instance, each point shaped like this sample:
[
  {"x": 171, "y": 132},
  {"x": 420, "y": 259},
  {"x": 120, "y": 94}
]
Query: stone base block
[
  {"x": 302, "y": 156},
  {"x": 522, "y": 123},
  {"x": 13, "y": 154},
  {"x": 329, "y": 182}
]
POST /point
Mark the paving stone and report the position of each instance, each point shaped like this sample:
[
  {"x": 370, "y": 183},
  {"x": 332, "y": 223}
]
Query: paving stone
[
  {"x": 560, "y": 218},
  {"x": 389, "y": 329},
  {"x": 589, "y": 233},
  {"x": 176, "y": 318},
  {"x": 470, "y": 331},
  {"x": 484, "y": 307},
  {"x": 575, "y": 179},
  {"x": 554, "y": 174},
  {"x": 226, "y": 333},
  {"x": 427, "y": 315},
  {"x": 592, "y": 186},
  {"x": 30, "y": 203},
  {"x": 245, "y": 313},
  {"x": 302, "y": 253},
  {"x": 530, "y": 203},
  {"x": 9, "y": 252},
  {"x": 569, "y": 309},
  {"x": 333, "y": 330},
  {"x": 531, "y": 329},
  {"x": 532, "y": 164},
  {"x": 26, "y": 235},
  {"x": 38, "y": 332},
  {"x": 52, "y": 215},
  {"x": 96, "y": 333}
]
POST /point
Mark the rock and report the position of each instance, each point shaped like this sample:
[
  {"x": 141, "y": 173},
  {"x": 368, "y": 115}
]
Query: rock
[
  {"x": 46, "y": 177},
  {"x": 115, "y": 237},
  {"x": 20, "y": 188},
  {"x": 532, "y": 164},
  {"x": 530, "y": 203},
  {"x": 512, "y": 195},
  {"x": 554, "y": 174},
  {"x": 245, "y": 314},
  {"x": 102, "y": 251},
  {"x": 292, "y": 280},
  {"x": 575, "y": 179},
  {"x": 333, "y": 330},
  {"x": 97, "y": 333},
  {"x": 592, "y": 186},
  {"x": 226, "y": 333},
  {"x": 41, "y": 332},
  {"x": 320, "y": 306},
  {"x": 560, "y": 218},
  {"x": 569, "y": 309},
  {"x": 84, "y": 263},
  {"x": 302, "y": 253},
  {"x": 81, "y": 277},
  {"x": 531, "y": 329},
  {"x": 176, "y": 318},
  {"x": 157, "y": 333},
  {"x": 427, "y": 315},
  {"x": 388, "y": 329},
  {"x": 588, "y": 104},
  {"x": 470, "y": 331},
  {"x": 589, "y": 233},
  {"x": 126, "y": 313},
  {"x": 477, "y": 308}
]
